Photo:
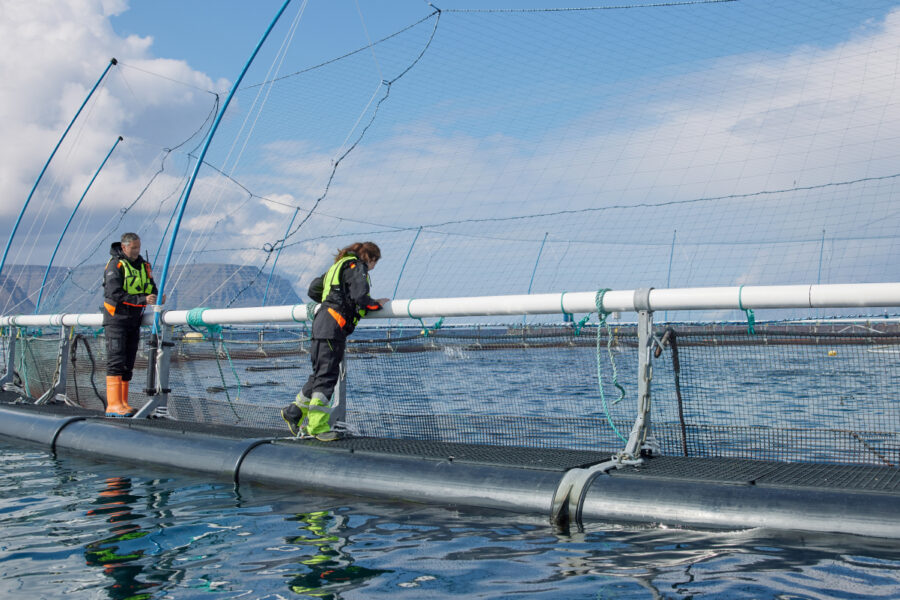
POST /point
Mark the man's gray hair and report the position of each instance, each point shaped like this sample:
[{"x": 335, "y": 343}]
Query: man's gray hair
[{"x": 127, "y": 238}]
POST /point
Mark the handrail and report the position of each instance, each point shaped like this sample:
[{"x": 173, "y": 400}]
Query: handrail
[{"x": 710, "y": 298}]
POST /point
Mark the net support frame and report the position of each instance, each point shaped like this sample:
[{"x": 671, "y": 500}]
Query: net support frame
[
  {"x": 9, "y": 376},
  {"x": 157, "y": 376},
  {"x": 641, "y": 428},
  {"x": 57, "y": 392}
]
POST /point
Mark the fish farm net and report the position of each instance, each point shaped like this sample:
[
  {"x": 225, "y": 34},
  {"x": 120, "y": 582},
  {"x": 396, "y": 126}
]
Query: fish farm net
[{"x": 794, "y": 392}]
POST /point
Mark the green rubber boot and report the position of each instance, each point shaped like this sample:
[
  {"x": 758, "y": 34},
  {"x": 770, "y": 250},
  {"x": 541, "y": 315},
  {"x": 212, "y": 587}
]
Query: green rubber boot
[{"x": 318, "y": 420}]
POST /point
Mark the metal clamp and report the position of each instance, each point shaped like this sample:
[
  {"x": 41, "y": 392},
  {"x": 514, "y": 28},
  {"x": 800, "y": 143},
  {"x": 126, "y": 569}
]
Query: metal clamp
[{"x": 642, "y": 299}]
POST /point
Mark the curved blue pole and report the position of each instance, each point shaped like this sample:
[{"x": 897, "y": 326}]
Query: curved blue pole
[
  {"x": 112, "y": 62},
  {"x": 669, "y": 275},
  {"x": 821, "y": 252},
  {"x": 537, "y": 260},
  {"x": 277, "y": 254},
  {"x": 37, "y": 306},
  {"x": 534, "y": 271},
  {"x": 209, "y": 136},
  {"x": 405, "y": 260}
]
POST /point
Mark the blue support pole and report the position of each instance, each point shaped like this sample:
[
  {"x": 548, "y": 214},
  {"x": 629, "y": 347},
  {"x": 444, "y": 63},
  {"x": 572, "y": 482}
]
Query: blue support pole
[
  {"x": 819, "y": 276},
  {"x": 534, "y": 271},
  {"x": 277, "y": 255},
  {"x": 821, "y": 253},
  {"x": 404, "y": 261},
  {"x": 536, "y": 261},
  {"x": 112, "y": 62},
  {"x": 209, "y": 136},
  {"x": 669, "y": 274},
  {"x": 37, "y": 306}
]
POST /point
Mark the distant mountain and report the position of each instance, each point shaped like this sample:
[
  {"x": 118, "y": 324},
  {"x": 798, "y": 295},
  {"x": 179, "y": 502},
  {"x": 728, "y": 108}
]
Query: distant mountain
[{"x": 79, "y": 290}]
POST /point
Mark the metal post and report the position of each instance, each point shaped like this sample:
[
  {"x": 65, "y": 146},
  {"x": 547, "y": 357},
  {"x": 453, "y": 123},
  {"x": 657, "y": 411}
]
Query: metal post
[
  {"x": 641, "y": 428},
  {"x": 160, "y": 385},
  {"x": 58, "y": 390},
  {"x": 339, "y": 398},
  {"x": 9, "y": 377}
]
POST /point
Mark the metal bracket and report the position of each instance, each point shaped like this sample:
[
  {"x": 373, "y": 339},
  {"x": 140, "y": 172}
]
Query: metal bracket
[
  {"x": 160, "y": 373},
  {"x": 642, "y": 299},
  {"x": 641, "y": 427},
  {"x": 339, "y": 398},
  {"x": 9, "y": 377},
  {"x": 568, "y": 499},
  {"x": 58, "y": 390}
]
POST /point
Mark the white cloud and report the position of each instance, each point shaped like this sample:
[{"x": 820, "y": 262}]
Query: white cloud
[
  {"x": 51, "y": 53},
  {"x": 738, "y": 124}
]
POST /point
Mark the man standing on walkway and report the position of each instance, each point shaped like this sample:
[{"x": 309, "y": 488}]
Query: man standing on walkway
[{"x": 128, "y": 287}]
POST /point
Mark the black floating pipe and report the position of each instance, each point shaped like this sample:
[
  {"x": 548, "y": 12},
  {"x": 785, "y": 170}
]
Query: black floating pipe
[
  {"x": 718, "y": 504},
  {"x": 433, "y": 481},
  {"x": 612, "y": 496},
  {"x": 38, "y": 427}
]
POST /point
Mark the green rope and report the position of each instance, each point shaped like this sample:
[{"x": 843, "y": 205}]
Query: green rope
[
  {"x": 580, "y": 324},
  {"x": 602, "y": 314},
  {"x": 194, "y": 319},
  {"x": 426, "y": 331},
  {"x": 310, "y": 317},
  {"x": 751, "y": 318}
]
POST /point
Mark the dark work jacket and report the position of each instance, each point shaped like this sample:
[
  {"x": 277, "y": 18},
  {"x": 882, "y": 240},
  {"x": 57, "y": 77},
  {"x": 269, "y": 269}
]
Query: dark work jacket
[
  {"x": 119, "y": 307},
  {"x": 336, "y": 318}
]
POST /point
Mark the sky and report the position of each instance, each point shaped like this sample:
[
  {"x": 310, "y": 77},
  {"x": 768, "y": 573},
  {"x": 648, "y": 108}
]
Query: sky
[
  {"x": 53, "y": 52},
  {"x": 758, "y": 96}
]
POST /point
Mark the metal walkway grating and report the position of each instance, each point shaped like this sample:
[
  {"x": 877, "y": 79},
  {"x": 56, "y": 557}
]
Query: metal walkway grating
[
  {"x": 762, "y": 473},
  {"x": 720, "y": 470}
]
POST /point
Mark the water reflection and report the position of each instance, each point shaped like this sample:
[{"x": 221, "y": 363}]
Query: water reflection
[
  {"x": 326, "y": 569},
  {"x": 72, "y": 527},
  {"x": 115, "y": 554}
]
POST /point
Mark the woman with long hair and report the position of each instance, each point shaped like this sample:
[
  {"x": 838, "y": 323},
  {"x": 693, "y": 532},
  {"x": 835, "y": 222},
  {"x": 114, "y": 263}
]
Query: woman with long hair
[{"x": 344, "y": 295}]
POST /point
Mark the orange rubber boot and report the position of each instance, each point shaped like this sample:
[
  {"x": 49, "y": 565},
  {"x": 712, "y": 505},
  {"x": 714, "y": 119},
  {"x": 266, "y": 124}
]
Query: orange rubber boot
[
  {"x": 129, "y": 412},
  {"x": 115, "y": 401}
]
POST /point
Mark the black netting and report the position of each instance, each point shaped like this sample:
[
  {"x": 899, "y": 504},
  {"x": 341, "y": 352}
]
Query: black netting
[{"x": 789, "y": 392}]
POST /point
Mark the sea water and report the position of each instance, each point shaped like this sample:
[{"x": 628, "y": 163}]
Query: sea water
[{"x": 74, "y": 527}]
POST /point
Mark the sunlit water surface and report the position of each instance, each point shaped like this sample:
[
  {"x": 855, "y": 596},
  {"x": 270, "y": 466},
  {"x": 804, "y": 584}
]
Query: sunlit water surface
[{"x": 74, "y": 527}]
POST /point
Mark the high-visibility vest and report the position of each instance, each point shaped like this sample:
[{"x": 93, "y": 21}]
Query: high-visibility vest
[
  {"x": 136, "y": 281},
  {"x": 333, "y": 279}
]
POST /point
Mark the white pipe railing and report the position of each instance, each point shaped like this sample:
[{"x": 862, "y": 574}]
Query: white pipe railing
[{"x": 854, "y": 295}]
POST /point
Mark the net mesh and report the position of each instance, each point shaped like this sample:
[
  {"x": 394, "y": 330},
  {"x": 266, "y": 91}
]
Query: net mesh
[
  {"x": 791, "y": 392},
  {"x": 682, "y": 144},
  {"x": 488, "y": 152}
]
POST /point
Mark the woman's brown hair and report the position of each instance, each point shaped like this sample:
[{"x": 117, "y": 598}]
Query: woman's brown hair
[{"x": 365, "y": 251}]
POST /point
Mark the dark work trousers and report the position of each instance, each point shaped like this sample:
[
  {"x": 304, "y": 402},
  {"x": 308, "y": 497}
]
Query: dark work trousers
[
  {"x": 121, "y": 348},
  {"x": 326, "y": 358}
]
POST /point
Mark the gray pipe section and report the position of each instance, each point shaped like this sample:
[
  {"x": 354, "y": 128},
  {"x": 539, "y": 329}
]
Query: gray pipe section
[
  {"x": 293, "y": 465},
  {"x": 217, "y": 456},
  {"x": 395, "y": 477},
  {"x": 722, "y": 505},
  {"x": 337, "y": 470},
  {"x": 34, "y": 427}
]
